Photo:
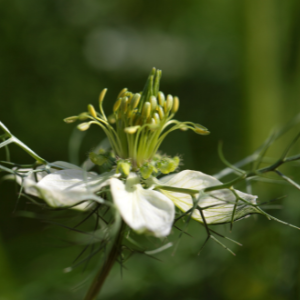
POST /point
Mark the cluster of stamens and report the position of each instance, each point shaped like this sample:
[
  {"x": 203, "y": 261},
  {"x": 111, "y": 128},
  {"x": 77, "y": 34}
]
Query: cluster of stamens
[{"x": 138, "y": 125}]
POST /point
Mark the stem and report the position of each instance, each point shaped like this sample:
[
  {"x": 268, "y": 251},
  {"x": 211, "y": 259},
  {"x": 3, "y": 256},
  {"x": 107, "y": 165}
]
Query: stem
[{"x": 105, "y": 269}]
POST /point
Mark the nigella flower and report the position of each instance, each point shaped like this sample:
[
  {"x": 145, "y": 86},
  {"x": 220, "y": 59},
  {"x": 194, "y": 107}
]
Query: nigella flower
[{"x": 133, "y": 168}]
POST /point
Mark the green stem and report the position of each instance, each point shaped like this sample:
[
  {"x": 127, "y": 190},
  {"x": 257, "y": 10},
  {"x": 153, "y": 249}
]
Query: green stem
[{"x": 105, "y": 269}]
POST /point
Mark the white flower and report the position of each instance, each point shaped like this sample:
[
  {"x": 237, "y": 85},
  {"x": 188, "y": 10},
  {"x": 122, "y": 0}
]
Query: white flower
[
  {"x": 144, "y": 210},
  {"x": 217, "y": 205}
]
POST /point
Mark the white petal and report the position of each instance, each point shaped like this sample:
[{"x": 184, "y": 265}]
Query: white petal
[
  {"x": 143, "y": 210},
  {"x": 67, "y": 187},
  {"x": 65, "y": 165},
  {"x": 217, "y": 205}
]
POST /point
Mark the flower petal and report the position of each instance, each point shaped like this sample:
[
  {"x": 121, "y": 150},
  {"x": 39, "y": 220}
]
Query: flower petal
[
  {"x": 143, "y": 210},
  {"x": 67, "y": 187},
  {"x": 217, "y": 206}
]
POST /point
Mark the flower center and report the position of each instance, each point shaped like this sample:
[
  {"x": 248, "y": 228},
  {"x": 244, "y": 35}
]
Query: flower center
[{"x": 138, "y": 125}]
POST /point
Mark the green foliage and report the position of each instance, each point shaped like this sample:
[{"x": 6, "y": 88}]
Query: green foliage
[{"x": 238, "y": 69}]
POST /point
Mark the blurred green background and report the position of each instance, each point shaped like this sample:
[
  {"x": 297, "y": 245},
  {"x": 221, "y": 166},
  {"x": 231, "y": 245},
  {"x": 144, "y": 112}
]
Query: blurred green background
[{"x": 235, "y": 66}]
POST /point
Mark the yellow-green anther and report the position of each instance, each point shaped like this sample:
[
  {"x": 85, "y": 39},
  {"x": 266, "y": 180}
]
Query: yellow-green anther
[
  {"x": 117, "y": 104},
  {"x": 112, "y": 119},
  {"x": 135, "y": 101},
  {"x": 92, "y": 111},
  {"x": 169, "y": 104},
  {"x": 146, "y": 170},
  {"x": 161, "y": 112},
  {"x": 123, "y": 167},
  {"x": 201, "y": 129},
  {"x": 146, "y": 110},
  {"x": 71, "y": 119},
  {"x": 152, "y": 121},
  {"x": 102, "y": 95},
  {"x": 122, "y": 93},
  {"x": 135, "y": 117},
  {"x": 156, "y": 118},
  {"x": 124, "y": 105},
  {"x": 129, "y": 95},
  {"x": 175, "y": 105},
  {"x": 161, "y": 98},
  {"x": 83, "y": 116},
  {"x": 132, "y": 129},
  {"x": 153, "y": 102},
  {"x": 84, "y": 126},
  {"x": 131, "y": 114}
]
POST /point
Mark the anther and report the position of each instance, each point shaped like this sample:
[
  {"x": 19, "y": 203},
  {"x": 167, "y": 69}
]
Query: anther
[
  {"x": 169, "y": 104},
  {"x": 112, "y": 119},
  {"x": 102, "y": 95},
  {"x": 201, "y": 129},
  {"x": 124, "y": 105},
  {"x": 156, "y": 118},
  {"x": 122, "y": 93},
  {"x": 175, "y": 105},
  {"x": 135, "y": 101},
  {"x": 71, "y": 119},
  {"x": 84, "y": 126},
  {"x": 161, "y": 112},
  {"x": 83, "y": 116},
  {"x": 132, "y": 129},
  {"x": 92, "y": 111},
  {"x": 161, "y": 98},
  {"x": 117, "y": 105},
  {"x": 146, "y": 110},
  {"x": 153, "y": 102}
]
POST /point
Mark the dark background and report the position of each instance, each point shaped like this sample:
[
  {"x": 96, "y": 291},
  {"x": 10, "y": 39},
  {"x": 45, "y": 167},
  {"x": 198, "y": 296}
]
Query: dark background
[{"x": 235, "y": 66}]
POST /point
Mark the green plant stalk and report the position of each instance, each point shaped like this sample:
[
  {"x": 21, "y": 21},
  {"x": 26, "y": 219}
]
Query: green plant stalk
[{"x": 106, "y": 267}]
